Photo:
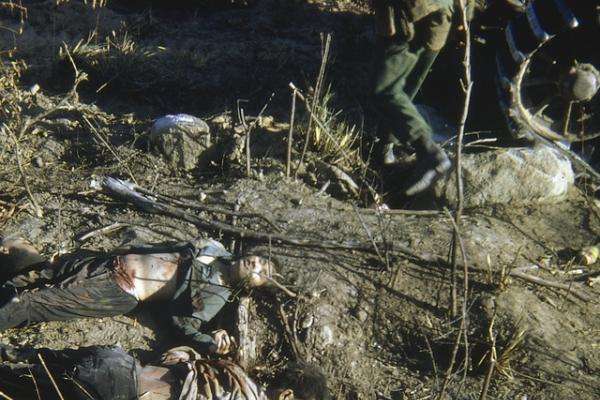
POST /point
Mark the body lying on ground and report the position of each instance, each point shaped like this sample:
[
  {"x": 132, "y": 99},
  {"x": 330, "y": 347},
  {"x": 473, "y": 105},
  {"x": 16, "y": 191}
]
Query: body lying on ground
[
  {"x": 110, "y": 373},
  {"x": 190, "y": 281}
]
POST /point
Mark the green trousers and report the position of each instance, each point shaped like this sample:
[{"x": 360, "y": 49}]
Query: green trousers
[{"x": 400, "y": 69}]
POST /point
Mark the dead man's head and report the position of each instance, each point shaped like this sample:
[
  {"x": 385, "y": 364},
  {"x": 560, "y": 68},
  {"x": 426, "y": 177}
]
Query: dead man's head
[{"x": 253, "y": 271}]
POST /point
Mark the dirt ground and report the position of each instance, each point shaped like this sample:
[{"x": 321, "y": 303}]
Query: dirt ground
[{"x": 375, "y": 321}]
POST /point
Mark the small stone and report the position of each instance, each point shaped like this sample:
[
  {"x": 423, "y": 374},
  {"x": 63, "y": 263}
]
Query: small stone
[
  {"x": 362, "y": 315},
  {"x": 307, "y": 321},
  {"x": 38, "y": 162},
  {"x": 34, "y": 89},
  {"x": 326, "y": 335},
  {"x": 182, "y": 139}
]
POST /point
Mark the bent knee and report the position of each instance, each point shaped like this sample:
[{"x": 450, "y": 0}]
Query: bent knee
[
  {"x": 438, "y": 29},
  {"x": 397, "y": 99}
]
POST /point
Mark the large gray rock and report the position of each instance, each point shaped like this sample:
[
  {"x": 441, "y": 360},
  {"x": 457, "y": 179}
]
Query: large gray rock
[
  {"x": 183, "y": 140},
  {"x": 511, "y": 176}
]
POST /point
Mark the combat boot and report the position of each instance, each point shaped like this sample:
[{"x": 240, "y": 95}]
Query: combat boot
[{"x": 432, "y": 163}]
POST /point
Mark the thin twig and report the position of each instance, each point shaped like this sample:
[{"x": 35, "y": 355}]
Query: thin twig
[
  {"x": 556, "y": 285},
  {"x": 420, "y": 213},
  {"x": 80, "y": 387},
  {"x": 288, "y": 332},
  {"x": 38, "y": 210},
  {"x": 35, "y": 384},
  {"x": 110, "y": 148},
  {"x": 101, "y": 231},
  {"x": 492, "y": 362},
  {"x": 5, "y": 396},
  {"x": 370, "y": 236},
  {"x": 288, "y": 164},
  {"x": 457, "y": 242},
  {"x": 248, "y": 155},
  {"x": 316, "y": 97},
  {"x": 450, "y": 368},
  {"x": 249, "y": 129},
  {"x": 432, "y": 356},
  {"x": 50, "y": 376}
]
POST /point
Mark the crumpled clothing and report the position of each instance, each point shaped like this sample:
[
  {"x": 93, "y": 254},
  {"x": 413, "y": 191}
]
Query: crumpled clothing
[{"x": 213, "y": 379}]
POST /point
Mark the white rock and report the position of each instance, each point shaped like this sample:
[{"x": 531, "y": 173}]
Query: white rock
[
  {"x": 511, "y": 176},
  {"x": 326, "y": 336},
  {"x": 183, "y": 139}
]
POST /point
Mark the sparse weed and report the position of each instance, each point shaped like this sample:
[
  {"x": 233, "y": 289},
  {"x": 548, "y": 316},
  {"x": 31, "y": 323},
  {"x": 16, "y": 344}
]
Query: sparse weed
[
  {"x": 339, "y": 147},
  {"x": 508, "y": 352}
]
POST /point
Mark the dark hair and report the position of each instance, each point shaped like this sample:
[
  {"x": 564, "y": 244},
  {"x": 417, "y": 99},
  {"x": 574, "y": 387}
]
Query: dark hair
[{"x": 306, "y": 380}]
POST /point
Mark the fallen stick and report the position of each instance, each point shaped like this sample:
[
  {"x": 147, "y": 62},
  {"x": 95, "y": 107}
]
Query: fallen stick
[
  {"x": 288, "y": 163},
  {"x": 202, "y": 207},
  {"x": 341, "y": 176},
  {"x": 423, "y": 213},
  {"x": 36, "y": 206},
  {"x": 51, "y": 377},
  {"x": 552, "y": 284},
  {"x": 127, "y": 192},
  {"x": 5, "y": 396},
  {"x": 101, "y": 231},
  {"x": 247, "y": 344}
]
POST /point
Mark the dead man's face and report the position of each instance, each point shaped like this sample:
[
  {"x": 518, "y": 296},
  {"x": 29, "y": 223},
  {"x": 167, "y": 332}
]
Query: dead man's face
[{"x": 255, "y": 271}]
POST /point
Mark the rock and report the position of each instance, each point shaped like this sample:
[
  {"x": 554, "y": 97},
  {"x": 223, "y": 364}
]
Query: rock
[
  {"x": 511, "y": 176},
  {"x": 183, "y": 140},
  {"x": 326, "y": 336},
  {"x": 50, "y": 152}
]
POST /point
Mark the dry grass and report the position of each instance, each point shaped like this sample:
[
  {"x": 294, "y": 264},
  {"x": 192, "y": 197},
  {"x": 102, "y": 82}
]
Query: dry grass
[
  {"x": 508, "y": 352},
  {"x": 341, "y": 146},
  {"x": 92, "y": 3}
]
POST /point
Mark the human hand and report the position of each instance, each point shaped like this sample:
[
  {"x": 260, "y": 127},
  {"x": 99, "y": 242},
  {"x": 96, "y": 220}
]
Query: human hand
[
  {"x": 287, "y": 394},
  {"x": 181, "y": 354},
  {"x": 223, "y": 342}
]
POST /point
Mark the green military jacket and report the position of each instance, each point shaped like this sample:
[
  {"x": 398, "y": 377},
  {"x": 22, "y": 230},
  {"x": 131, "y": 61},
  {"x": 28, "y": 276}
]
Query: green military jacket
[{"x": 200, "y": 293}]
